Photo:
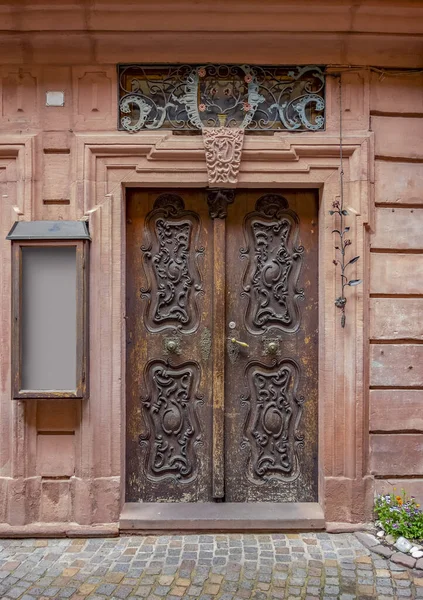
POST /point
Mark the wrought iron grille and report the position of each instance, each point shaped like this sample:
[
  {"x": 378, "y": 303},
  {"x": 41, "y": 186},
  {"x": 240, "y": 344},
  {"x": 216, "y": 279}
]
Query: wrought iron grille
[{"x": 191, "y": 97}]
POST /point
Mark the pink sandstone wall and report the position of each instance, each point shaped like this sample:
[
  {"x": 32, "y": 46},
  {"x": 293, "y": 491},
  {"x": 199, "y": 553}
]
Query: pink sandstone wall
[
  {"x": 62, "y": 462},
  {"x": 396, "y": 285}
]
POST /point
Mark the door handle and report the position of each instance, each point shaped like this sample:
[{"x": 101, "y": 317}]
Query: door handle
[
  {"x": 242, "y": 344},
  {"x": 272, "y": 348}
]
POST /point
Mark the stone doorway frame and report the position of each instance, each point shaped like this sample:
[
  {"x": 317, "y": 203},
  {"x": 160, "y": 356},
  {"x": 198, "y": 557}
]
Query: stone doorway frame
[{"x": 107, "y": 164}]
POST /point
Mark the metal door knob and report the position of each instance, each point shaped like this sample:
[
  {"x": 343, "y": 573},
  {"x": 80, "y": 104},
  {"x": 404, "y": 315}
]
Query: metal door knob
[
  {"x": 272, "y": 347},
  {"x": 171, "y": 346}
]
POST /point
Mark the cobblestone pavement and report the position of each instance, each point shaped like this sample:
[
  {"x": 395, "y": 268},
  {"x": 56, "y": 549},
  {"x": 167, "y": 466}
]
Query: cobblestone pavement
[{"x": 224, "y": 567}]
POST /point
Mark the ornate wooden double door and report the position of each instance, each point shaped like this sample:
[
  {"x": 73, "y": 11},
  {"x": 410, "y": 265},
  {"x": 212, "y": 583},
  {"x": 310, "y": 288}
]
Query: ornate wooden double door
[{"x": 221, "y": 333}]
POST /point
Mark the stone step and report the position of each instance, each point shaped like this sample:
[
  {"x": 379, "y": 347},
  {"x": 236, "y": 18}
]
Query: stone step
[{"x": 221, "y": 516}]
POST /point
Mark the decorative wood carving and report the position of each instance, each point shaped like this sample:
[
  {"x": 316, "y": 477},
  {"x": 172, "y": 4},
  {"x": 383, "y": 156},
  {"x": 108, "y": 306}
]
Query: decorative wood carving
[
  {"x": 218, "y": 200},
  {"x": 271, "y": 233},
  {"x": 271, "y": 430},
  {"x": 289, "y": 162},
  {"x": 170, "y": 255},
  {"x": 170, "y": 414},
  {"x": 223, "y": 146}
]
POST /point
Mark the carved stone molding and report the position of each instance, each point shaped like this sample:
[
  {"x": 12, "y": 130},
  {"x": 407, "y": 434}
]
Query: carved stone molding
[
  {"x": 217, "y": 201},
  {"x": 109, "y": 163},
  {"x": 223, "y": 154}
]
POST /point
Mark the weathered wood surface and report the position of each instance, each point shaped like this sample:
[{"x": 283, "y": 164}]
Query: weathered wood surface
[
  {"x": 391, "y": 454},
  {"x": 396, "y": 318},
  {"x": 396, "y": 410},
  {"x": 254, "y": 376},
  {"x": 396, "y": 365},
  {"x": 219, "y": 326},
  {"x": 169, "y": 389},
  {"x": 396, "y": 274},
  {"x": 402, "y": 95},
  {"x": 398, "y": 136},
  {"x": 398, "y": 182},
  {"x": 398, "y": 229}
]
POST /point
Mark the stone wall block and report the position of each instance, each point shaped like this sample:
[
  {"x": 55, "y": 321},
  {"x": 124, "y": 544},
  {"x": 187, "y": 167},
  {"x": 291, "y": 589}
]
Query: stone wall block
[
  {"x": 396, "y": 94},
  {"x": 396, "y": 319},
  {"x": 398, "y": 137},
  {"x": 55, "y": 197},
  {"x": 396, "y": 365},
  {"x": 82, "y": 500},
  {"x": 412, "y": 487},
  {"x": 106, "y": 500},
  {"x": 396, "y": 410},
  {"x": 56, "y": 79},
  {"x": 33, "y": 494},
  {"x": 56, "y": 506},
  {"x": 95, "y": 92},
  {"x": 396, "y": 274},
  {"x": 398, "y": 183},
  {"x": 19, "y": 99},
  {"x": 348, "y": 500},
  {"x": 398, "y": 229},
  {"x": 16, "y": 502},
  {"x": 55, "y": 455},
  {"x": 392, "y": 454},
  {"x": 355, "y": 101},
  {"x": 4, "y": 494},
  {"x": 56, "y": 173}
]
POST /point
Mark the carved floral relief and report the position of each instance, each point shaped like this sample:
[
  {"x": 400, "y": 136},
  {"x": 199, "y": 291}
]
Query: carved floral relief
[
  {"x": 274, "y": 263},
  {"x": 271, "y": 431},
  {"x": 170, "y": 262},
  {"x": 170, "y": 413}
]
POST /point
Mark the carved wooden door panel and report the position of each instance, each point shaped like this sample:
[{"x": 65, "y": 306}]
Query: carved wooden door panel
[
  {"x": 168, "y": 334},
  {"x": 271, "y": 384},
  {"x": 221, "y": 346}
]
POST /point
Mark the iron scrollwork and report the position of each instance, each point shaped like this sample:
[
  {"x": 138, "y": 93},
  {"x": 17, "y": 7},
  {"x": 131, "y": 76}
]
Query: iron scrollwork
[
  {"x": 192, "y": 97},
  {"x": 274, "y": 263},
  {"x": 170, "y": 264},
  {"x": 272, "y": 426},
  {"x": 170, "y": 413}
]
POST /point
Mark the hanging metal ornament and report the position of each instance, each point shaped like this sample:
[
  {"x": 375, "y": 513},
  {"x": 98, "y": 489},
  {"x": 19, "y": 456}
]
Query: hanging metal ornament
[{"x": 342, "y": 232}]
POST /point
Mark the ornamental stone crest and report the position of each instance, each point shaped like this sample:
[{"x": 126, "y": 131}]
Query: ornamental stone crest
[{"x": 223, "y": 147}]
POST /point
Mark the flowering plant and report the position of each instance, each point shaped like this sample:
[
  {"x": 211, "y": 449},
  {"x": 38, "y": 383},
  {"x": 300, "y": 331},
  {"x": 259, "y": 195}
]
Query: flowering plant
[{"x": 399, "y": 515}]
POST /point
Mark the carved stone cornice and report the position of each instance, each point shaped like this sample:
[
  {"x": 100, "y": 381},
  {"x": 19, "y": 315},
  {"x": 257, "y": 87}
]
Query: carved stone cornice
[
  {"x": 218, "y": 200},
  {"x": 223, "y": 147}
]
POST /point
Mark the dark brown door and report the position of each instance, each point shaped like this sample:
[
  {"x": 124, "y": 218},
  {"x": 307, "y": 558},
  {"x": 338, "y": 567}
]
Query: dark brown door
[
  {"x": 221, "y": 346},
  {"x": 271, "y": 384},
  {"x": 168, "y": 282}
]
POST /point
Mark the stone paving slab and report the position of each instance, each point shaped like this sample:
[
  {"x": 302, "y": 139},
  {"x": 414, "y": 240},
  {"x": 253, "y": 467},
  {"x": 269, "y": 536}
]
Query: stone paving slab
[{"x": 305, "y": 566}]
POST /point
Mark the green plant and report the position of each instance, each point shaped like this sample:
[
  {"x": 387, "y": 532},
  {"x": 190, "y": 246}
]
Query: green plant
[{"x": 399, "y": 515}]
